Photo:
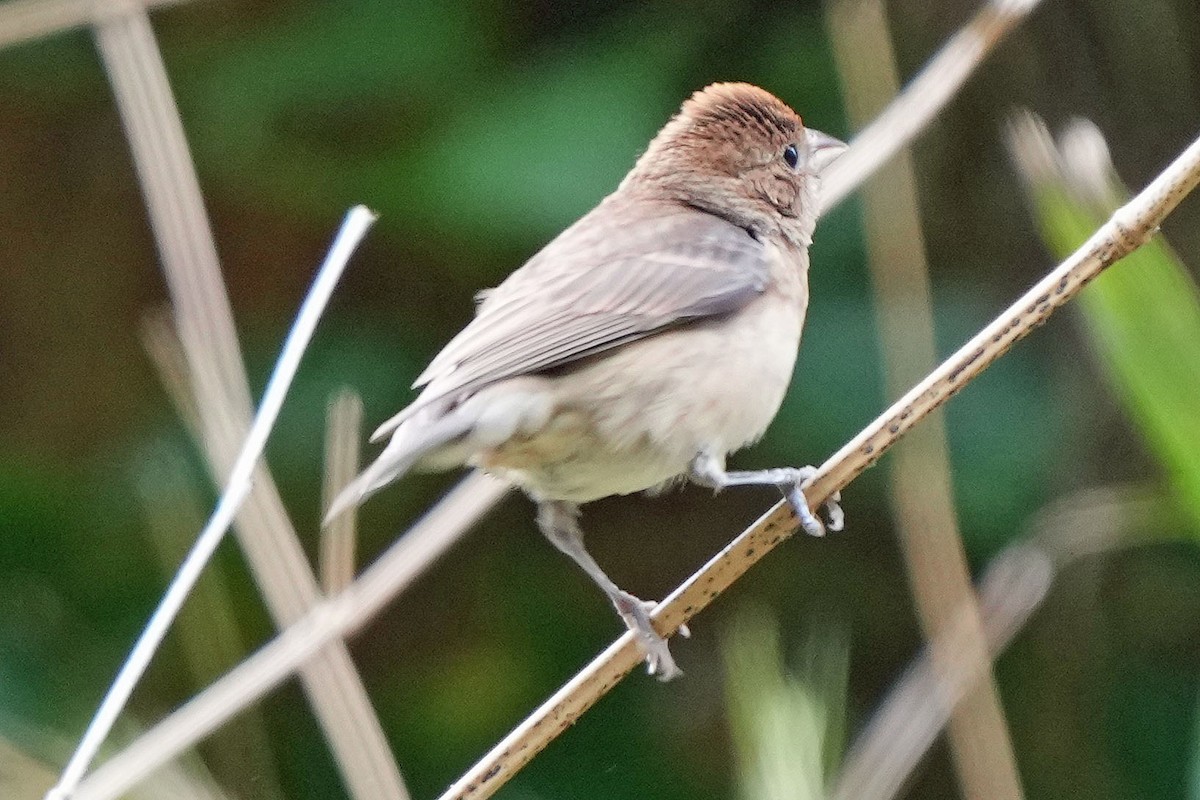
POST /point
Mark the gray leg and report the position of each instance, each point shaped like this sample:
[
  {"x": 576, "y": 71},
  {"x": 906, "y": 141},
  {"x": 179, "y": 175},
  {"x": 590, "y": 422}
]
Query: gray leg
[
  {"x": 559, "y": 522},
  {"x": 708, "y": 470}
]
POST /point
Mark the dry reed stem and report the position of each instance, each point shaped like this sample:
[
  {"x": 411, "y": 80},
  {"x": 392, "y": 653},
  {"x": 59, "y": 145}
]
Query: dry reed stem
[
  {"x": 343, "y": 432},
  {"x": 902, "y": 120},
  {"x": 907, "y": 722},
  {"x": 27, "y": 20},
  {"x": 134, "y": 65},
  {"x": 1127, "y": 229},
  {"x": 390, "y": 574},
  {"x": 924, "y": 96},
  {"x": 920, "y": 488}
]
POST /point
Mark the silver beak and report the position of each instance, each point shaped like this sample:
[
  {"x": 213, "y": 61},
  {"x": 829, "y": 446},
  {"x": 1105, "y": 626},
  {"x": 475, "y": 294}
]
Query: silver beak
[{"x": 823, "y": 149}]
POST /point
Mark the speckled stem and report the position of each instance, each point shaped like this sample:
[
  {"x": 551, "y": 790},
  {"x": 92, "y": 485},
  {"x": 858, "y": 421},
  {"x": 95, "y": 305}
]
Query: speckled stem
[{"x": 1127, "y": 229}]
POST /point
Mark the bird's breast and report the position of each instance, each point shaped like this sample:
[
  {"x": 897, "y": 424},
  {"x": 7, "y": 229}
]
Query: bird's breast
[{"x": 636, "y": 417}]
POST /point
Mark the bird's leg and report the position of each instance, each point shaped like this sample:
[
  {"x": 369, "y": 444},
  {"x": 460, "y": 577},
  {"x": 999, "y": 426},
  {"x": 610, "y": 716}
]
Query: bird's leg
[
  {"x": 708, "y": 470},
  {"x": 559, "y": 522}
]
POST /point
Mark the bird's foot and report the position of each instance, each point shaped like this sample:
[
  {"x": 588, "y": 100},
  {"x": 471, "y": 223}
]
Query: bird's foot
[
  {"x": 636, "y": 614},
  {"x": 709, "y": 470},
  {"x": 792, "y": 483}
]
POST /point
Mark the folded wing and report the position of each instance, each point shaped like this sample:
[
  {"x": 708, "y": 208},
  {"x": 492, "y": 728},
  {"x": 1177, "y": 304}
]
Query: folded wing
[{"x": 623, "y": 272}]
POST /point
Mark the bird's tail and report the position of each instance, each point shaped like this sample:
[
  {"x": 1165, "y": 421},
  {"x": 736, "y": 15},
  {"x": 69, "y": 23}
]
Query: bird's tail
[
  {"x": 409, "y": 444},
  {"x": 383, "y": 471}
]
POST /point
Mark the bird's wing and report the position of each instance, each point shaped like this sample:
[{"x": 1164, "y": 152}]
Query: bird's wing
[{"x": 621, "y": 273}]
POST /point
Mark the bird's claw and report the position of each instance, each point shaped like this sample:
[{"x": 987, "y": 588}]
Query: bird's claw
[
  {"x": 636, "y": 614},
  {"x": 808, "y": 520}
]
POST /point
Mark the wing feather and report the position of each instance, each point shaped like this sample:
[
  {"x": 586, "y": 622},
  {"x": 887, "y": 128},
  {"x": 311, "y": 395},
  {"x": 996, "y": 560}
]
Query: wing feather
[{"x": 623, "y": 272}]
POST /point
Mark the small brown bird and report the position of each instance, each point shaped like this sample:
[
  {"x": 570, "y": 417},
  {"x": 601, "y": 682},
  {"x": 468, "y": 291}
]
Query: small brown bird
[{"x": 643, "y": 344}]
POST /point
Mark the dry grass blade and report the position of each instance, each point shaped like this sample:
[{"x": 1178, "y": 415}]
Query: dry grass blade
[
  {"x": 922, "y": 98},
  {"x": 342, "y": 433},
  {"x": 920, "y": 486},
  {"x": 390, "y": 574},
  {"x": 26, "y": 20},
  {"x": 217, "y": 376},
  {"x": 915, "y": 712},
  {"x": 207, "y": 627},
  {"x": 274, "y": 662},
  {"x": 1130, "y": 227},
  {"x": 23, "y": 775},
  {"x": 908, "y": 721}
]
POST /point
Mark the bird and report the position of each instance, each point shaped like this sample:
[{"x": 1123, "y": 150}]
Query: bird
[{"x": 642, "y": 345}]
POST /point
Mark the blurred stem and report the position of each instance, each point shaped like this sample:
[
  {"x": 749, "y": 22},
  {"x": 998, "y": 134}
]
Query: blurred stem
[
  {"x": 210, "y": 349},
  {"x": 920, "y": 487},
  {"x": 909, "y": 719},
  {"x": 1012, "y": 588},
  {"x": 343, "y": 426},
  {"x": 924, "y": 96},
  {"x": 207, "y": 629}
]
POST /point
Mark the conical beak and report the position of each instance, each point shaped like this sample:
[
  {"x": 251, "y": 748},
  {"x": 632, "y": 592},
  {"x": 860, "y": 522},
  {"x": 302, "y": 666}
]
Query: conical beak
[{"x": 823, "y": 149}]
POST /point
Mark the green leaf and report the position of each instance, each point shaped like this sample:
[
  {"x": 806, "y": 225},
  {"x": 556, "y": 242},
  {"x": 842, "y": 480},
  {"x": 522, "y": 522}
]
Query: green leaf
[
  {"x": 787, "y": 728},
  {"x": 1142, "y": 317}
]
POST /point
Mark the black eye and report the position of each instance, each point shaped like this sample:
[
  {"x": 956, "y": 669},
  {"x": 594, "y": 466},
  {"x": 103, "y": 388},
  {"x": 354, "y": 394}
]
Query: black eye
[{"x": 791, "y": 155}]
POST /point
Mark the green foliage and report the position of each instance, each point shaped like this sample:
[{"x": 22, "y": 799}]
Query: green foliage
[
  {"x": 519, "y": 149},
  {"x": 787, "y": 728},
  {"x": 1142, "y": 317},
  {"x": 479, "y": 129}
]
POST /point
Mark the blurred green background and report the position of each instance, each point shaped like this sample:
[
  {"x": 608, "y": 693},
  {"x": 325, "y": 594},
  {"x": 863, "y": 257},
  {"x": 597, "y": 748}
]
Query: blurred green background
[{"x": 478, "y": 130}]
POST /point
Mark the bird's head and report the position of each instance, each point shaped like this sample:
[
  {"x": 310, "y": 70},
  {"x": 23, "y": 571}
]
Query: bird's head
[{"x": 739, "y": 152}]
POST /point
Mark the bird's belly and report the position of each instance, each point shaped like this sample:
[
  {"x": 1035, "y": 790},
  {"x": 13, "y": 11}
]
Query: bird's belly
[
  {"x": 583, "y": 469},
  {"x": 636, "y": 417}
]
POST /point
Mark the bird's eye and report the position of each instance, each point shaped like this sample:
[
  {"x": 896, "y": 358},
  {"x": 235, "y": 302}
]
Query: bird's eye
[{"x": 791, "y": 155}]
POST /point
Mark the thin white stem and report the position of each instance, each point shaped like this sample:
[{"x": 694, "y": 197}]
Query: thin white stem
[
  {"x": 273, "y": 663},
  {"x": 353, "y": 228},
  {"x": 333, "y": 619},
  {"x": 222, "y": 400},
  {"x": 923, "y": 97},
  {"x": 1130, "y": 226}
]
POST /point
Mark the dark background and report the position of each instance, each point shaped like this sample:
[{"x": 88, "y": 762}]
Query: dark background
[{"x": 478, "y": 130}]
